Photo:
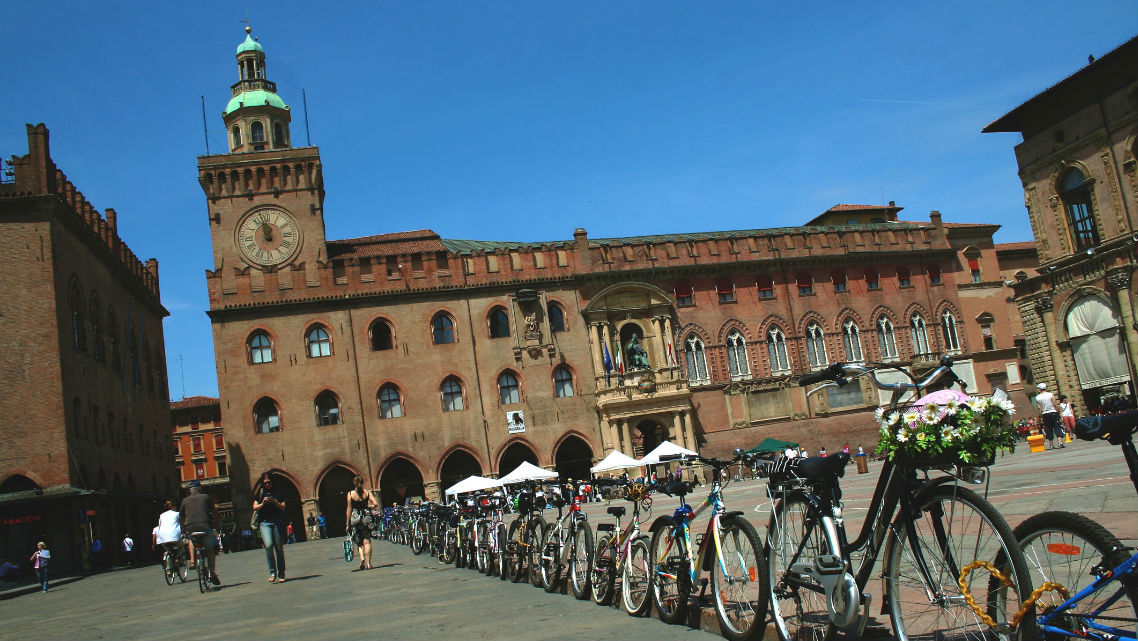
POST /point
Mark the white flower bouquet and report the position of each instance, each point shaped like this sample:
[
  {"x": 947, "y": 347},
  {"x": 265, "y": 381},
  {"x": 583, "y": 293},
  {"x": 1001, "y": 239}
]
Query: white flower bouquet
[{"x": 947, "y": 427}]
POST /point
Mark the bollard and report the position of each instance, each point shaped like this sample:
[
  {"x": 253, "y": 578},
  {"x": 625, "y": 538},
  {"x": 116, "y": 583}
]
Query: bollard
[
  {"x": 862, "y": 463},
  {"x": 1036, "y": 443}
]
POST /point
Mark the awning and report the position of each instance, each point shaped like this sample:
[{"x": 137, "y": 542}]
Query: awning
[
  {"x": 471, "y": 484},
  {"x": 526, "y": 472},
  {"x": 616, "y": 460},
  {"x": 667, "y": 448}
]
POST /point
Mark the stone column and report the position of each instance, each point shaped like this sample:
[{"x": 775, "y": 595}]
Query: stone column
[
  {"x": 661, "y": 341},
  {"x": 689, "y": 431},
  {"x": 678, "y": 430},
  {"x": 598, "y": 351},
  {"x": 1046, "y": 307},
  {"x": 433, "y": 491},
  {"x": 606, "y": 339},
  {"x": 1120, "y": 281},
  {"x": 667, "y": 323},
  {"x": 618, "y": 429}
]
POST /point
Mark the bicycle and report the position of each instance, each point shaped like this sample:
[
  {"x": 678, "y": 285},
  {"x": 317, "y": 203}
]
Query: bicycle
[
  {"x": 492, "y": 535},
  {"x": 523, "y": 547},
  {"x": 938, "y": 529},
  {"x": 174, "y": 562},
  {"x": 729, "y": 550},
  {"x": 624, "y": 552},
  {"x": 1098, "y": 574},
  {"x": 568, "y": 543},
  {"x": 205, "y": 572}
]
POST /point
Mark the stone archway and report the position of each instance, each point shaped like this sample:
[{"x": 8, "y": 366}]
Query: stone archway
[
  {"x": 573, "y": 458},
  {"x": 515, "y": 455},
  {"x": 399, "y": 481},
  {"x": 331, "y": 499},
  {"x": 18, "y": 483},
  {"x": 458, "y": 465},
  {"x": 646, "y": 436}
]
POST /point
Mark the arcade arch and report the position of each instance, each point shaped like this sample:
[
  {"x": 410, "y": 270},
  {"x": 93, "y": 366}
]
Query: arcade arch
[
  {"x": 331, "y": 498},
  {"x": 399, "y": 481}
]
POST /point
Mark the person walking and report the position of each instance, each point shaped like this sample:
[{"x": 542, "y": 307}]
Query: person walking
[
  {"x": 40, "y": 560},
  {"x": 271, "y": 516},
  {"x": 291, "y": 533},
  {"x": 312, "y": 531},
  {"x": 322, "y": 523},
  {"x": 128, "y": 550},
  {"x": 1045, "y": 403},
  {"x": 361, "y": 522},
  {"x": 1067, "y": 414}
]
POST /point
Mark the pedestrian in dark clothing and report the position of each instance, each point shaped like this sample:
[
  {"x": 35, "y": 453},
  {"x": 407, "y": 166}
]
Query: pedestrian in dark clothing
[
  {"x": 270, "y": 506},
  {"x": 40, "y": 559}
]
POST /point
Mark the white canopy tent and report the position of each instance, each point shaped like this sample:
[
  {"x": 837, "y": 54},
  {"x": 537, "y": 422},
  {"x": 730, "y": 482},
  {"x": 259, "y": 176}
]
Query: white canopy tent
[
  {"x": 667, "y": 448},
  {"x": 526, "y": 472},
  {"x": 616, "y": 460},
  {"x": 471, "y": 484}
]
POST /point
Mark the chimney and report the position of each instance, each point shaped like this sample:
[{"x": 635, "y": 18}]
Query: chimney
[
  {"x": 934, "y": 217},
  {"x": 581, "y": 248}
]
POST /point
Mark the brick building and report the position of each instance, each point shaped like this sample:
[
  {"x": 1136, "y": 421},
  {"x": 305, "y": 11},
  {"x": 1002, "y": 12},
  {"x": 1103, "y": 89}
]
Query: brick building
[
  {"x": 199, "y": 450},
  {"x": 415, "y": 360},
  {"x": 1077, "y": 166},
  {"x": 84, "y": 413}
]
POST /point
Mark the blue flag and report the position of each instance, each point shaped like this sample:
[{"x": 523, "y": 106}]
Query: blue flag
[{"x": 608, "y": 360}]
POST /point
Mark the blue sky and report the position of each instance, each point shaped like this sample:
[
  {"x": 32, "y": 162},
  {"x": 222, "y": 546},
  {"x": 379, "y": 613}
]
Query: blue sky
[{"x": 523, "y": 121}]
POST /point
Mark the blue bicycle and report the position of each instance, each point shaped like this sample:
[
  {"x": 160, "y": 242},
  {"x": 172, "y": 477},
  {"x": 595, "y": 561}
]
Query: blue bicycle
[{"x": 1098, "y": 574}]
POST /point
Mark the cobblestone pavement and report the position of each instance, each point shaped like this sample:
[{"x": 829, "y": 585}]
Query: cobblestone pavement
[{"x": 413, "y": 597}]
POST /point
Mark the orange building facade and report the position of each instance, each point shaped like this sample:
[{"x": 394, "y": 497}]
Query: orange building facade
[{"x": 199, "y": 450}]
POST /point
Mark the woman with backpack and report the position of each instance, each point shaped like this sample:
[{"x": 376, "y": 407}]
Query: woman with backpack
[{"x": 361, "y": 520}]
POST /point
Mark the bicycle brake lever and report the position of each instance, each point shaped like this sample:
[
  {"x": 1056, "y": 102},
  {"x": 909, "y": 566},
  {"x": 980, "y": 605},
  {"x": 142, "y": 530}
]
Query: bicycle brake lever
[{"x": 821, "y": 387}]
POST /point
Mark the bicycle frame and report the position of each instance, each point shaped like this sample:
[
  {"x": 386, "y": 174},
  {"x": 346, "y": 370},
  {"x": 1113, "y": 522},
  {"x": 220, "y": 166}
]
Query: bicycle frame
[
  {"x": 1090, "y": 628},
  {"x": 697, "y": 564}
]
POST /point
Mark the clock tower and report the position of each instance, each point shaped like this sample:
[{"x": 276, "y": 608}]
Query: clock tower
[{"x": 265, "y": 197}]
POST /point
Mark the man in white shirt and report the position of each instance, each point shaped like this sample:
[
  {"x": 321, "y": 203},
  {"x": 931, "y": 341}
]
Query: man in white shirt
[
  {"x": 791, "y": 452},
  {"x": 128, "y": 550},
  {"x": 1045, "y": 403}
]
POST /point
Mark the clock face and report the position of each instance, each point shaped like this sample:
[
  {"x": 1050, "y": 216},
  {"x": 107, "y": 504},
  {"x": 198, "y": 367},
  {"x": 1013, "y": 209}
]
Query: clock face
[{"x": 268, "y": 237}]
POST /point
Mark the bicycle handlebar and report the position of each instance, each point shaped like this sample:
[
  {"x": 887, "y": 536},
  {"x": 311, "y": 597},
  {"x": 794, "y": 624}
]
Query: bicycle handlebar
[{"x": 841, "y": 373}]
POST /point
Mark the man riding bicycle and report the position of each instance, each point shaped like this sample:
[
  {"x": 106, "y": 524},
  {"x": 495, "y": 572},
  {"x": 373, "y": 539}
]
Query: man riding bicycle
[{"x": 198, "y": 514}]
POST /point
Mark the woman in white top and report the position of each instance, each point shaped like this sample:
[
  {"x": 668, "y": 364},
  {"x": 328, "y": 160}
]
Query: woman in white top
[{"x": 1067, "y": 414}]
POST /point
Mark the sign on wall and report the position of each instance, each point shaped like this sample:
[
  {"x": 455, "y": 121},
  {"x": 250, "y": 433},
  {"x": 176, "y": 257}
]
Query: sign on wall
[{"x": 515, "y": 422}]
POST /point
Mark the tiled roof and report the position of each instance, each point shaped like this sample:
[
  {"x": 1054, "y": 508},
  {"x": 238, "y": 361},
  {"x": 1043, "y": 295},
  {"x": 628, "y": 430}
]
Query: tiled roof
[
  {"x": 1028, "y": 245},
  {"x": 746, "y": 233},
  {"x": 468, "y": 246},
  {"x": 952, "y": 225},
  {"x": 406, "y": 242},
  {"x": 837, "y": 208},
  {"x": 194, "y": 401}
]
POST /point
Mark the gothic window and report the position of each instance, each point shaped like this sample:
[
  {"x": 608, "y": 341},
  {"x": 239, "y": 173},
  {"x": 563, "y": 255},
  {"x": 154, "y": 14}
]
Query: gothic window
[
  {"x": 805, "y": 284},
  {"x": 816, "y": 346},
  {"x": 776, "y": 352},
  {"x": 556, "y": 317},
  {"x": 390, "y": 405},
  {"x": 886, "y": 339},
  {"x": 78, "y": 328},
  {"x": 726, "y": 291},
  {"x": 872, "y": 279},
  {"x": 904, "y": 277},
  {"x": 766, "y": 287},
  {"x": 319, "y": 343},
  {"x": 452, "y": 395},
  {"x": 442, "y": 329},
  {"x": 236, "y": 136},
  {"x": 948, "y": 330},
  {"x": 737, "y": 361},
  {"x": 266, "y": 416},
  {"x": 381, "y": 335},
  {"x": 258, "y": 131},
  {"x": 1075, "y": 191},
  {"x": 920, "y": 335},
  {"x": 260, "y": 348},
  {"x": 562, "y": 382},
  {"x": 327, "y": 409},
  {"x": 839, "y": 278},
  {"x": 696, "y": 359},
  {"x": 508, "y": 388},
  {"x": 684, "y": 296},
  {"x": 851, "y": 339},
  {"x": 499, "y": 323}
]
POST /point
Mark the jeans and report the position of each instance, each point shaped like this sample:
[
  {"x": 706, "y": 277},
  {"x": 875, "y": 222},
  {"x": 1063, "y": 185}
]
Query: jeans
[
  {"x": 1051, "y": 425},
  {"x": 41, "y": 574},
  {"x": 272, "y": 537}
]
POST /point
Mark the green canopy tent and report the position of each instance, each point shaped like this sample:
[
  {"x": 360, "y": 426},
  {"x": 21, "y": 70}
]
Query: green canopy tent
[{"x": 771, "y": 446}]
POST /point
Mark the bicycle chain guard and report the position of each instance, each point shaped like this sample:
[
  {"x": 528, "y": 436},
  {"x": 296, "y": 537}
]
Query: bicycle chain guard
[{"x": 843, "y": 598}]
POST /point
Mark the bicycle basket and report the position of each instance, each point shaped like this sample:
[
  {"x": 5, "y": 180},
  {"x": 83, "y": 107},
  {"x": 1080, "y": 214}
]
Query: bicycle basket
[{"x": 946, "y": 428}]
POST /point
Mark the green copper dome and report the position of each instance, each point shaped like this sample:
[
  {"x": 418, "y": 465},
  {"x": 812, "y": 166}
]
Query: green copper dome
[
  {"x": 255, "y": 98},
  {"x": 249, "y": 45}
]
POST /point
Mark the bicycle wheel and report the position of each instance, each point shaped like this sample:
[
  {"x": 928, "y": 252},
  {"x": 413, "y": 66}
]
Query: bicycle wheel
[
  {"x": 604, "y": 569},
  {"x": 183, "y": 567},
  {"x": 449, "y": 547},
  {"x": 535, "y": 535},
  {"x": 798, "y": 604},
  {"x": 551, "y": 557},
  {"x": 168, "y": 567},
  {"x": 634, "y": 585},
  {"x": 419, "y": 537},
  {"x": 203, "y": 573},
  {"x": 671, "y": 578},
  {"x": 484, "y": 548},
  {"x": 740, "y": 591},
  {"x": 1074, "y": 551},
  {"x": 581, "y": 559},
  {"x": 517, "y": 556},
  {"x": 953, "y": 528},
  {"x": 498, "y": 552}
]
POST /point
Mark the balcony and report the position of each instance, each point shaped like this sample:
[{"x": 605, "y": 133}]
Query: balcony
[{"x": 253, "y": 84}]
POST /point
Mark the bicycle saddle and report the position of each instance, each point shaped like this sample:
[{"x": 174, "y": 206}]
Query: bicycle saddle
[
  {"x": 813, "y": 467},
  {"x": 677, "y": 488},
  {"x": 616, "y": 510},
  {"x": 1115, "y": 427}
]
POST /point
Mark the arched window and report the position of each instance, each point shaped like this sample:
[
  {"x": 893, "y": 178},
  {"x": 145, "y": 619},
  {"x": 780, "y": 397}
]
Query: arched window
[
  {"x": 452, "y": 395},
  {"x": 776, "y": 352},
  {"x": 726, "y": 291},
  {"x": 499, "y": 323},
  {"x": 260, "y": 348},
  {"x": 562, "y": 382},
  {"x": 266, "y": 416},
  {"x": 381, "y": 335},
  {"x": 278, "y": 134},
  {"x": 236, "y": 136},
  {"x": 390, "y": 405},
  {"x": 872, "y": 279},
  {"x": 886, "y": 339},
  {"x": 737, "y": 361},
  {"x": 839, "y": 278},
  {"x": 972, "y": 255},
  {"x": 851, "y": 339},
  {"x": 766, "y": 287},
  {"x": 920, "y": 335},
  {"x": 1075, "y": 191},
  {"x": 934, "y": 274},
  {"x": 78, "y": 328},
  {"x": 986, "y": 321},
  {"x": 508, "y": 388},
  {"x": 948, "y": 330},
  {"x": 327, "y": 409},
  {"x": 684, "y": 295},
  {"x": 319, "y": 343},
  {"x": 816, "y": 346},
  {"x": 696, "y": 359},
  {"x": 95, "y": 313},
  {"x": 258, "y": 131},
  {"x": 805, "y": 284},
  {"x": 556, "y": 317},
  {"x": 442, "y": 329},
  {"x": 904, "y": 277}
]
